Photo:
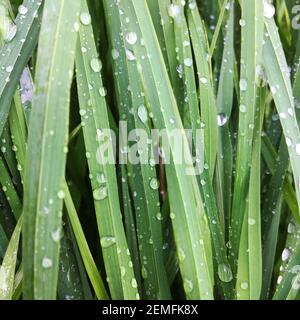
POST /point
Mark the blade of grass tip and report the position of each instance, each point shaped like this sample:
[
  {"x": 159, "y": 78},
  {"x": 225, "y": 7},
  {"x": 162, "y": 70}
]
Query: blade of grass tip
[
  {"x": 20, "y": 41},
  {"x": 193, "y": 121},
  {"x": 189, "y": 220},
  {"x": 206, "y": 90},
  {"x": 47, "y": 142},
  {"x": 224, "y": 109},
  {"x": 164, "y": 27},
  {"x": 118, "y": 264},
  {"x": 133, "y": 108},
  {"x": 7, "y": 269},
  {"x": 249, "y": 276},
  {"x": 288, "y": 282},
  {"x": 278, "y": 79},
  {"x": 83, "y": 247},
  {"x": 225, "y": 6},
  {"x": 251, "y": 55}
]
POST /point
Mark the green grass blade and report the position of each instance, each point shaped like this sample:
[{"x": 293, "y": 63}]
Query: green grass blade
[
  {"x": 16, "y": 53},
  {"x": 122, "y": 282},
  {"x": 7, "y": 269},
  {"x": 193, "y": 246},
  {"x": 251, "y": 57},
  {"x": 47, "y": 144}
]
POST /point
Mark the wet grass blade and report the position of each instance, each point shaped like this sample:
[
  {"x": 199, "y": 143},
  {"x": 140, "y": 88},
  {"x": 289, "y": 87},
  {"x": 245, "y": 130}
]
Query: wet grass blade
[
  {"x": 7, "y": 269},
  {"x": 94, "y": 118},
  {"x": 15, "y": 53},
  {"x": 194, "y": 254},
  {"x": 48, "y": 131},
  {"x": 251, "y": 57}
]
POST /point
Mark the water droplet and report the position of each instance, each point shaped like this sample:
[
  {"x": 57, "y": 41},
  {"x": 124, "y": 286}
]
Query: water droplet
[
  {"x": 47, "y": 263},
  {"x": 203, "y": 80},
  {"x": 154, "y": 183},
  {"x": 173, "y": 10},
  {"x": 9, "y": 69},
  {"x": 188, "y": 62},
  {"x": 243, "y": 108},
  {"x": 115, "y": 54},
  {"x": 107, "y": 242},
  {"x": 55, "y": 235},
  {"x": 172, "y": 215},
  {"x": 22, "y": 9},
  {"x": 144, "y": 272},
  {"x": 143, "y": 113},
  {"x": 244, "y": 285},
  {"x": 269, "y": 10},
  {"x": 100, "y": 193},
  {"x": 131, "y": 38},
  {"x": 291, "y": 228},
  {"x": 96, "y": 65},
  {"x": 224, "y": 272},
  {"x": 130, "y": 55},
  {"x": 251, "y": 222},
  {"x": 298, "y": 149},
  {"x": 222, "y": 119},
  {"x": 85, "y": 18},
  {"x": 285, "y": 254},
  {"x": 242, "y": 22},
  {"x": 11, "y": 33},
  {"x": 61, "y": 194},
  {"x": 181, "y": 255},
  {"x": 243, "y": 84},
  {"x": 134, "y": 283},
  {"x": 188, "y": 286},
  {"x": 103, "y": 92}
]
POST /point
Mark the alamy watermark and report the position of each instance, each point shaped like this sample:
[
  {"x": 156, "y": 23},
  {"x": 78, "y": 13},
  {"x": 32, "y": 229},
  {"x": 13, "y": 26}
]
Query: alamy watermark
[
  {"x": 151, "y": 147},
  {"x": 296, "y": 17}
]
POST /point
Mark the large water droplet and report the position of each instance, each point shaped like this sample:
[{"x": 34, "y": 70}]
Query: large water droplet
[
  {"x": 100, "y": 193},
  {"x": 224, "y": 272},
  {"x": 269, "y": 10},
  {"x": 143, "y": 113},
  {"x": 173, "y": 10},
  {"x": 47, "y": 263},
  {"x": 22, "y": 9},
  {"x": 85, "y": 18},
  {"x": 188, "y": 286},
  {"x": 11, "y": 33},
  {"x": 222, "y": 119},
  {"x": 107, "y": 242},
  {"x": 154, "y": 183},
  {"x": 243, "y": 84},
  {"x": 131, "y": 38},
  {"x": 96, "y": 65}
]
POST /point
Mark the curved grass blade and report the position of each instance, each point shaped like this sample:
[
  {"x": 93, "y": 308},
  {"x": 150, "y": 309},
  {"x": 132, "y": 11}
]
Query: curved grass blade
[
  {"x": 21, "y": 39},
  {"x": 278, "y": 78},
  {"x": 206, "y": 90},
  {"x": 87, "y": 257},
  {"x": 47, "y": 144}
]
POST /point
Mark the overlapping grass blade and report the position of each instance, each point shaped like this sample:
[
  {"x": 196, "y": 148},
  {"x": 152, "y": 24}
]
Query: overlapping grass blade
[
  {"x": 95, "y": 120},
  {"x": 251, "y": 58},
  {"x": 21, "y": 39},
  {"x": 7, "y": 269},
  {"x": 189, "y": 221},
  {"x": 44, "y": 172},
  {"x": 133, "y": 107}
]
